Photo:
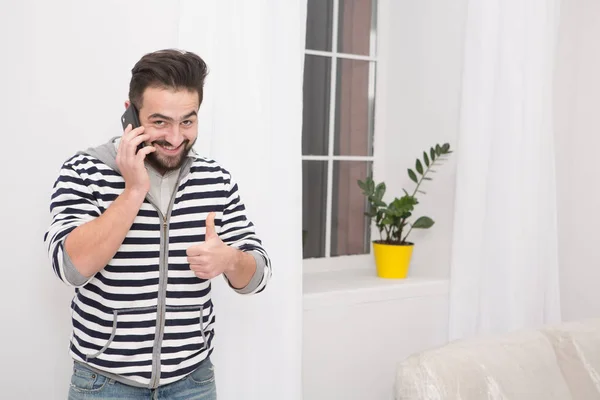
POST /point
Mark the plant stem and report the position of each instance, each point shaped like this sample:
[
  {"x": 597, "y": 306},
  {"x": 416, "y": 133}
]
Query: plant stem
[
  {"x": 402, "y": 240},
  {"x": 401, "y": 225},
  {"x": 423, "y": 177},
  {"x": 387, "y": 234},
  {"x": 408, "y": 233}
]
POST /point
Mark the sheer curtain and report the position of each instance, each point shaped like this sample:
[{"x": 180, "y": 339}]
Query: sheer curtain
[
  {"x": 251, "y": 123},
  {"x": 504, "y": 267}
]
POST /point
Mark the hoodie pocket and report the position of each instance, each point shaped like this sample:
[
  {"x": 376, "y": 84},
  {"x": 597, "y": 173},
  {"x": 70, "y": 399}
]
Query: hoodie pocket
[
  {"x": 130, "y": 322},
  {"x": 186, "y": 326}
]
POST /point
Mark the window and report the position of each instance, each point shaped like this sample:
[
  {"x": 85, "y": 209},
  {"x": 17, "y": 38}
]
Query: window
[{"x": 338, "y": 125}]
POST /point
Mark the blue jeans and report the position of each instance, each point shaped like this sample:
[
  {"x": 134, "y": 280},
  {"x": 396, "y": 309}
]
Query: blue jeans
[{"x": 88, "y": 385}]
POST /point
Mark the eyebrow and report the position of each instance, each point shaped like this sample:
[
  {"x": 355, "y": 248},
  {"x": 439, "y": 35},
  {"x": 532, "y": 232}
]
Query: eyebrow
[{"x": 161, "y": 116}]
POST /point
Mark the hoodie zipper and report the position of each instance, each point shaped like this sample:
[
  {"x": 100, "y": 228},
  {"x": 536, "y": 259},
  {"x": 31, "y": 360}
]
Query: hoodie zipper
[
  {"x": 162, "y": 284},
  {"x": 161, "y": 299},
  {"x": 160, "y": 309}
]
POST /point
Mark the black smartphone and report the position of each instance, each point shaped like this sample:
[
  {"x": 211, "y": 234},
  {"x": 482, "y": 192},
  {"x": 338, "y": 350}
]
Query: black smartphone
[{"x": 131, "y": 116}]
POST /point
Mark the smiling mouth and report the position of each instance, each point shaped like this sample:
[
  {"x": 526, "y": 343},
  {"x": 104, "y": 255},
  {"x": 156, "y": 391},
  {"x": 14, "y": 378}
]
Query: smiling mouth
[{"x": 168, "y": 147}]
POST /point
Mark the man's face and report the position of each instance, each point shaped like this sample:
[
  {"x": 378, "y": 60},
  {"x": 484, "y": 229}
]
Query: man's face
[{"x": 170, "y": 117}]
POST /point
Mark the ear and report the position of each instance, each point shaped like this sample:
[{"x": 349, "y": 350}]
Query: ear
[{"x": 127, "y": 103}]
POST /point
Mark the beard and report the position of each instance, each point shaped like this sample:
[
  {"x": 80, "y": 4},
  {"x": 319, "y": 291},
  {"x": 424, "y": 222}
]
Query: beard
[{"x": 164, "y": 163}]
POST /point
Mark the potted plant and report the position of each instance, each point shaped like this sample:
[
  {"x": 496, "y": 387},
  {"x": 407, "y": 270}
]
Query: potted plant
[{"x": 393, "y": 251}]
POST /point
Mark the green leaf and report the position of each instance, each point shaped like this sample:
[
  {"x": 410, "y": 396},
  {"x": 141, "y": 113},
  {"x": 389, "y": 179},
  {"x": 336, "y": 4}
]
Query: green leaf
[
  {"x": 438, "y": 150},
  {"x": 445, "y": 148},
  {"x": 419, "y": 167},
  {"x": 423, "y": 223},
  {"x": 362, "y": 185},
  {"x": 387, "y": 220},
  {"x": 427, "y": 178},
  {"x": 412, "y": 176},
  {"x": 426, "y": 158},
  {"x": 432, "y": 153},
  {"x": 399, "y": 207},
  {"x": 371, "y": 185},
  {"x": 379, "y": 203},
  {"x": 380, "y": 191}
]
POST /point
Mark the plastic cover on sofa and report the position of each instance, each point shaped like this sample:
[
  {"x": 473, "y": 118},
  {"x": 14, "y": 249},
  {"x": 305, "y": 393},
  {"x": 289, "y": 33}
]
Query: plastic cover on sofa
[{"x": 559, "y": 362}]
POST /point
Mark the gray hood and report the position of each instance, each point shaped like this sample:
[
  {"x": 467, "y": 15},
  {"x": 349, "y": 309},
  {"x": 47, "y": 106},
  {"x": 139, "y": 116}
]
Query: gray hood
[{"x": 107, "y": 153}]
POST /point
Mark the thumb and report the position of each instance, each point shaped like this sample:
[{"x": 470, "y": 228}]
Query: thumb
[{"x": 210, "y": 227}]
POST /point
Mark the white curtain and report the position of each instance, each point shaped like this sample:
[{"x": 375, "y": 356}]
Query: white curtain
[
  {"x": 504, "y": 267},
  {"x": 251, "y": 123}
]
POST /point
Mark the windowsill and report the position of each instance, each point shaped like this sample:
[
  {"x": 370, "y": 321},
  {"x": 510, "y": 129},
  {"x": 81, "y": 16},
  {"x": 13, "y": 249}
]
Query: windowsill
[{"x": 358, "y": 286}]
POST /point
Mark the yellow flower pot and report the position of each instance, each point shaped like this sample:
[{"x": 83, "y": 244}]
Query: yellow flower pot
[{"x": 392, "y": 261}]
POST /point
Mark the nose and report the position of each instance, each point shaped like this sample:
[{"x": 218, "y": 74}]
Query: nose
[{"x": 174, "y": 135}]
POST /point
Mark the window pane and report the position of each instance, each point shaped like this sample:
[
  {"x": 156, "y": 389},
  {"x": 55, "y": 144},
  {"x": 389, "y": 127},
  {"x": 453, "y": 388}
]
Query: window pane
[
  {"x": 315, "y": 123},
  {"x": 319, "y": 22},
  {"x": 354, "y": 109},
  {"x": 314, "y": 207},
  {"x": 350, "y": 233},
  {"x": 355, "y": 23}
]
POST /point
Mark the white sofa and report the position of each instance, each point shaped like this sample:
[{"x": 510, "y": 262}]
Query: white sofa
[{"x": 559, "y": 362}]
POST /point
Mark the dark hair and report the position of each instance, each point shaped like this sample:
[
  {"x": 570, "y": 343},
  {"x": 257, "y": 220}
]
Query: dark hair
[{"x": 169, "y": 68}]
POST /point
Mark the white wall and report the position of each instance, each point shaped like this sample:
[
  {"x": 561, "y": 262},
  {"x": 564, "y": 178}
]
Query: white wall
[
  {"x": 420, "y": 73},
  {"x": 65, "y": 72},
  {"x": 577, "y": 122},
  {"x": 355, "y": 337},
  {"x": 65, "y": 76}
]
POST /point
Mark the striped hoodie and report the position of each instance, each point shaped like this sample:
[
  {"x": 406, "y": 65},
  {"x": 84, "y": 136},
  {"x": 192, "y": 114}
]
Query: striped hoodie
[{"x": 146, "y": 319}]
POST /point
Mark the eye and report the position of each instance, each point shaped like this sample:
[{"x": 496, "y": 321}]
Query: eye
[
  {"x": 187, "y": 122},
  {"x": 159, "y": 123}
]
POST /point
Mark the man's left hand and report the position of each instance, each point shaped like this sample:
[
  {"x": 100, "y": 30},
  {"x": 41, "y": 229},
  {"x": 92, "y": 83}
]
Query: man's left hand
[{"x": 213, "y": 257}]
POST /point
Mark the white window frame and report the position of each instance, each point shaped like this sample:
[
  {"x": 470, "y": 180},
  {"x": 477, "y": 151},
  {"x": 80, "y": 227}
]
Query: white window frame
[{"x": 376, "y": 93}]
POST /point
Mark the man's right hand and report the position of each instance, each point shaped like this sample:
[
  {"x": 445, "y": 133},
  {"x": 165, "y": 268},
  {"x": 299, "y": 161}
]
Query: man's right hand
[
  {"x": 131, "y": 164},
  {"x": 92, "y": 245}
]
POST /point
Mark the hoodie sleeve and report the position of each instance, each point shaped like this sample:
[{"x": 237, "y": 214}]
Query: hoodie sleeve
[
  {"x": 238, "y": 231},
  {"x": 72, "y": 204}
]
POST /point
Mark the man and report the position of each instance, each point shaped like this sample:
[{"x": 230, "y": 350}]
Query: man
[{"x": 140, "y": 234}]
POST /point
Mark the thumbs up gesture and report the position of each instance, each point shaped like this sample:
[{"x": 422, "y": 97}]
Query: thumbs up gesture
[{"x": 213, "y": 257}]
